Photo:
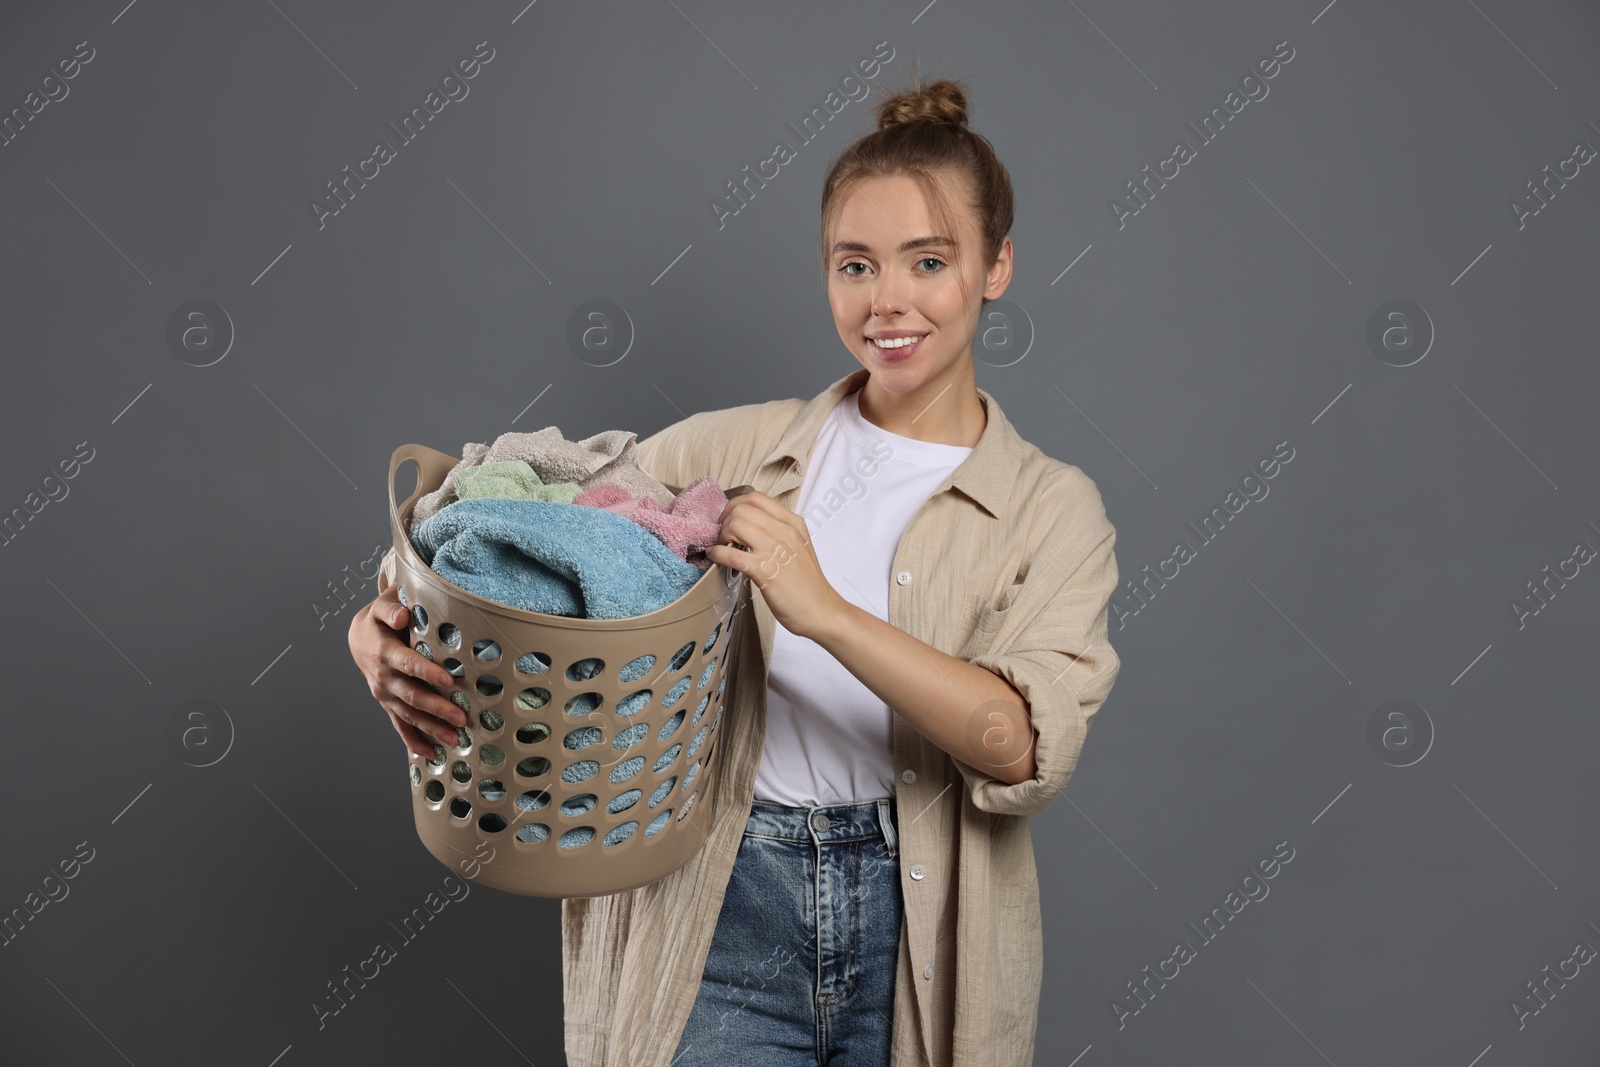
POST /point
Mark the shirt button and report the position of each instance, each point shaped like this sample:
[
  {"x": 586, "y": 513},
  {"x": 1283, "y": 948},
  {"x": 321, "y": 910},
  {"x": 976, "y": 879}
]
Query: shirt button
[
  {"x": 927, "y": 972},
  {"x": 904, "y": 577},
  {"x": 916, "y": 871},
  {"x": 908, "y": 776},
  {"x": 822, "y": 823}
]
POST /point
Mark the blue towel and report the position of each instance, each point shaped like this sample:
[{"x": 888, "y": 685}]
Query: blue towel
[{"x": 551, "y": 557}]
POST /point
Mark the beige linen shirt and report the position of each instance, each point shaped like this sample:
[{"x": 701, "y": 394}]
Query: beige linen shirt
[{"x": 1011, "y": 567}]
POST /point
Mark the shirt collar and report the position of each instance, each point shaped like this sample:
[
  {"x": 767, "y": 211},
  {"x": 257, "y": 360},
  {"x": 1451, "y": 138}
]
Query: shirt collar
[{"x": 986, "y": 475}]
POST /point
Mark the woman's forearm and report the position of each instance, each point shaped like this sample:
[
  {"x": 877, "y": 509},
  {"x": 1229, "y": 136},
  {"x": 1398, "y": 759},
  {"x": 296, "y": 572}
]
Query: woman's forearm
[{"x": 970, "y": 712}]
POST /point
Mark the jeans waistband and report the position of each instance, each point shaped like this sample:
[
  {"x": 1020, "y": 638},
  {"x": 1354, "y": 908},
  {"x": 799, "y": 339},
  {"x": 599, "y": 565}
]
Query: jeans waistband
[{"x": 826, "y": 822}]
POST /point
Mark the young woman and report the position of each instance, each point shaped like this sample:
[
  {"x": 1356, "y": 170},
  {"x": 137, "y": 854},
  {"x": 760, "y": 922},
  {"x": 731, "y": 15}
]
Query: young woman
[{"x": 916, "y": 677}]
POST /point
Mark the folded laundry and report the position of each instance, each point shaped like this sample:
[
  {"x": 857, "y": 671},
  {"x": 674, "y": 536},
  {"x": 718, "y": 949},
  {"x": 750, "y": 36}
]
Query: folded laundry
[
  {"x": 512, "y": 479},
  {"x": 605, "y": 458},
  {"x": 554, "y": 558},
  {"x": 686, "y": 526}
]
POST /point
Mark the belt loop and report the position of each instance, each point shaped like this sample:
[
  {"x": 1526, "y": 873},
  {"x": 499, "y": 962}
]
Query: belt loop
[{"x": 886, "y": 821}]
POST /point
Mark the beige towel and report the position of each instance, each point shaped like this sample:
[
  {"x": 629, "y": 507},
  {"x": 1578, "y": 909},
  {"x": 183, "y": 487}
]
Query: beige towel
[{"x": 609, "y": 458}]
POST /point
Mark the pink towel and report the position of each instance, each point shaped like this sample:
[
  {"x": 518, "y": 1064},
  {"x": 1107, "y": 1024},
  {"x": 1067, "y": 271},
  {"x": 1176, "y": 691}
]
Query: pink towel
[{"x": 687, "y": 525}]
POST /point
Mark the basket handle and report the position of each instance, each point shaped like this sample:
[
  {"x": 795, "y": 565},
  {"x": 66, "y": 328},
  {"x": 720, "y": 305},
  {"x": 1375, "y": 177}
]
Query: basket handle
[{"x": 431, "y": 465}]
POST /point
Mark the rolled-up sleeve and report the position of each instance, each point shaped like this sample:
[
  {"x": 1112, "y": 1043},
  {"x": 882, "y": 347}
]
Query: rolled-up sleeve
[{"x": 1051, "y": 644}]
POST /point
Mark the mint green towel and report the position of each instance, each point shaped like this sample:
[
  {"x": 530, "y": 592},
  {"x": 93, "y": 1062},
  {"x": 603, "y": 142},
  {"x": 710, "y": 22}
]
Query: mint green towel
[{"x": 512, "y": 479}]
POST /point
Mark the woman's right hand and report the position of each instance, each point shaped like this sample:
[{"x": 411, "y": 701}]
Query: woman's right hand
[{"x": 397, "y": 677}]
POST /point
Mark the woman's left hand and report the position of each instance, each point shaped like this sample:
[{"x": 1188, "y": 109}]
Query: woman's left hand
[{"x": 772, "y": 547}]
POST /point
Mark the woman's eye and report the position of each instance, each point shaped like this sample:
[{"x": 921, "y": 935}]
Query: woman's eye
[{"x": 937, "y": 266}]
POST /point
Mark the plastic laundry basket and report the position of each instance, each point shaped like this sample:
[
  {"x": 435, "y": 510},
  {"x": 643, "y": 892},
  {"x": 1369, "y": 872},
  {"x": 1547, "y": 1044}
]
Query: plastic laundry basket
[{"x": 589, "y": 743}]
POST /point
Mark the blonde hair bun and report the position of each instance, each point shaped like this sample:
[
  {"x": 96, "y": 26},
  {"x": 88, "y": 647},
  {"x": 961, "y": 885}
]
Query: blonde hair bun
[{"x": 940, "y": 101}]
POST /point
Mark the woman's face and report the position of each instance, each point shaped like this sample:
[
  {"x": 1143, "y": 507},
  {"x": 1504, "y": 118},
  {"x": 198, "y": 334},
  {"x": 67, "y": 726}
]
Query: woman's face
[{"x": 880, "y": 288}]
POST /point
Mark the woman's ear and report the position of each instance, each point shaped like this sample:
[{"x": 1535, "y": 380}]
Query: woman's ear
[{"x": 998, "y": 278}]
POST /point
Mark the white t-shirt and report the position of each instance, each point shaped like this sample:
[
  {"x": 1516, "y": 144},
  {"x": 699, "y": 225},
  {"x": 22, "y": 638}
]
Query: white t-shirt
[{"x": 830, "y": 740}]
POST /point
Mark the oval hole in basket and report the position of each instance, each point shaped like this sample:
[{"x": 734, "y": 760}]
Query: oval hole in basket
[
  {"x": 584, "y": 669},
  {"x": 533, "y": 663},
  {"x": 583, "y": 704},
  {"x": 532, "y": 699},
  {"x": 576, "y": 837},
  {"x": 630, "y": 737},
  {"x": 582, "y": 737},
  {"x": 533, "y": 767},
  {"x": 636, "y": 668},
  {"x": 623, "y": 801},
  {"x": 579, "y": 805},
  {"x": 628, "y": 768}
]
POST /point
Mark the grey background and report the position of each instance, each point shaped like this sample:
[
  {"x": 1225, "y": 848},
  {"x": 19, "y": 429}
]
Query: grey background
[{"x": 1230, "y": 314}]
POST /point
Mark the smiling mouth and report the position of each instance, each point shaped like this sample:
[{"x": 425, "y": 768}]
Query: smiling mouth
[{"x": 897, "y": 348}]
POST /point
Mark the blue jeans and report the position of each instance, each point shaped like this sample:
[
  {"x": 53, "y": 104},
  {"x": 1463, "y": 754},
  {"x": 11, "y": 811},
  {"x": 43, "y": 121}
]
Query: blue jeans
[{"x": 801, "y": 969}]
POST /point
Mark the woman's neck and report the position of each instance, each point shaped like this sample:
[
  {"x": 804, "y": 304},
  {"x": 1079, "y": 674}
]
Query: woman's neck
[{"x": 942, "y": 411}]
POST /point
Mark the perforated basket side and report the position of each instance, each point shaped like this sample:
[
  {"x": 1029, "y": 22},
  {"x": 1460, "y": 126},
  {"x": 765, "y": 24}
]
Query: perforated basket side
[{"x": 588, "y": 759}]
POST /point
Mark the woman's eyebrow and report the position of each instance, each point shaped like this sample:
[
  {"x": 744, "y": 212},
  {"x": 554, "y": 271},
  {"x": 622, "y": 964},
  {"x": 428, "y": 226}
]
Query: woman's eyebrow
[{"x": 915, "y": 242}]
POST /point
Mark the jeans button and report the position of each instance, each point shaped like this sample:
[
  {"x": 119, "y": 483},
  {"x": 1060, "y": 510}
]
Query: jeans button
[
  {"x": 916, "y": 871},
  {"x": 927, "y": 972},
  {"x": 908, "y": 776},
  {"x": 822, "y": 823}
]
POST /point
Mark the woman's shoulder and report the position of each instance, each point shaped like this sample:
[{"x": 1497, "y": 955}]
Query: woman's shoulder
[
  {"x": 1061, "y": 496},
  {"x": 1045, "y": 479},
  {"x": 726, "y": 444},
  {"x": 738, "y": 424}
]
